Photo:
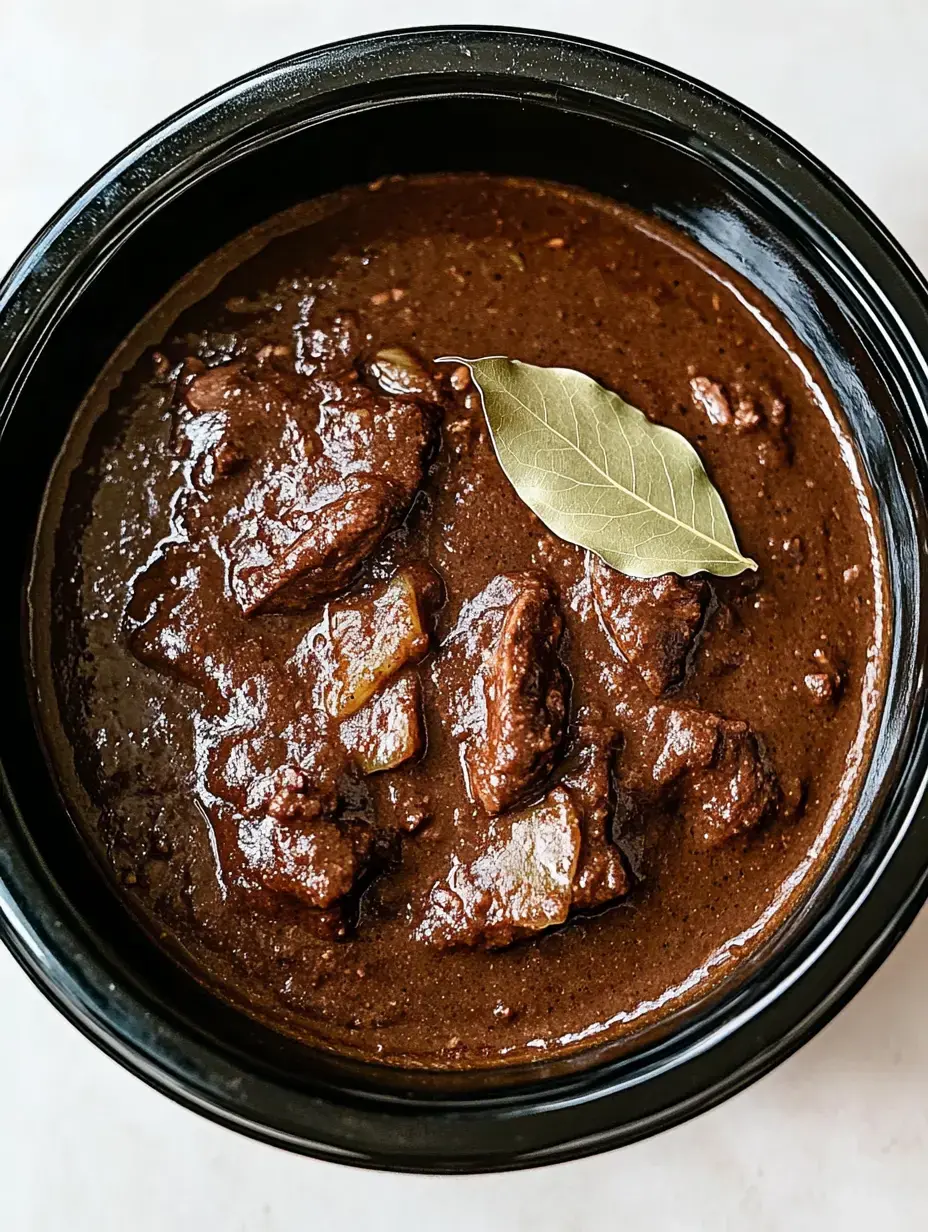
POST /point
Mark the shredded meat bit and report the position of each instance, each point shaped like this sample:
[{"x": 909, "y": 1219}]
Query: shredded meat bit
[{"x": 708, "y": 397}]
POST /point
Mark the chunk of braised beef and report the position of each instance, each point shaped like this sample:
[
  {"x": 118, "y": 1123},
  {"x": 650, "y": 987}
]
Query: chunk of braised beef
[
  {"x": 308, "y": 522},
  {"x": 279, "y": 795},
  {"x": 518, "y": 882},
  {"x": 331, "y": 467},
  {"x": 654, "y": 621},
  {"x": 523, "y": 692},
  {"x": 297, "y": 844},
  {"x": 169, "y": 625},
  {"x": 723, "y": 782},
  {"x": 317, "y": 861},
  {"x": 600, "y": 876},
  {"x": 363, "y": 432},
  {"x": 295, "y": 800},
  {"x": 225, "y": 410},
  {"x": 322, "y": 559}
]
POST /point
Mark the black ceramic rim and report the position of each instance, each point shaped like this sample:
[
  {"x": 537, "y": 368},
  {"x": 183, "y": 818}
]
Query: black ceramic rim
[{"x": 615, "y": 1103}]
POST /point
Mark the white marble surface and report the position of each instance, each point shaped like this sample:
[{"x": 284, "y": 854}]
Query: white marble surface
[{"x": 836, "y": 1137}]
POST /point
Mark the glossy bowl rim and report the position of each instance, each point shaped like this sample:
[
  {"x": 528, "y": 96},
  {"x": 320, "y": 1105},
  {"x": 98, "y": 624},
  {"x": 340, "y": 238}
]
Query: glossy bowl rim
[{"x": 527, "y": 60}]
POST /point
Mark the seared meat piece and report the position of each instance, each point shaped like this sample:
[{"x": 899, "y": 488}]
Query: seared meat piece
[
  {"x": 317, "y": 862},
  {"x": 323, "y": 468},
  {"x": 166, "y": 622},
  {"x": 520, "y": 689},
  {"x": 224, "y": 411},
  {"x": 654, "y": 621},
  {"x": 600, "y": 877},
  {"x": 519, "y": 882},
  {"x": 278, "y": 827},
  {"x": 367, "y": 433},
  {"x": 171, "y": 624},
  {"x": 724, "y": 781},
  {"x": 305, "y": 529},
  {"x": 323, "y": 559}
]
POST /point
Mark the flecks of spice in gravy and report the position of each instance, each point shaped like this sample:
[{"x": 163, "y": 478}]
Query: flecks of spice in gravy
[{"x": 472, "y": 266}]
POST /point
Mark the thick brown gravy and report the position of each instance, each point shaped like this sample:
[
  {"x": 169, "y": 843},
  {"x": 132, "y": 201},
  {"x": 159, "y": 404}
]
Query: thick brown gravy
[{"x": 226, "y": 520}]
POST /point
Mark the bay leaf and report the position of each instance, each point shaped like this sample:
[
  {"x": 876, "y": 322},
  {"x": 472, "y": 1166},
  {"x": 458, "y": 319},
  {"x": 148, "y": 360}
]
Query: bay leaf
[{"x": 599, "y": 474}]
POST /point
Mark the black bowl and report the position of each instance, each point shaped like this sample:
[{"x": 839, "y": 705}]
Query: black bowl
[{"x": 519, "y": 103}]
